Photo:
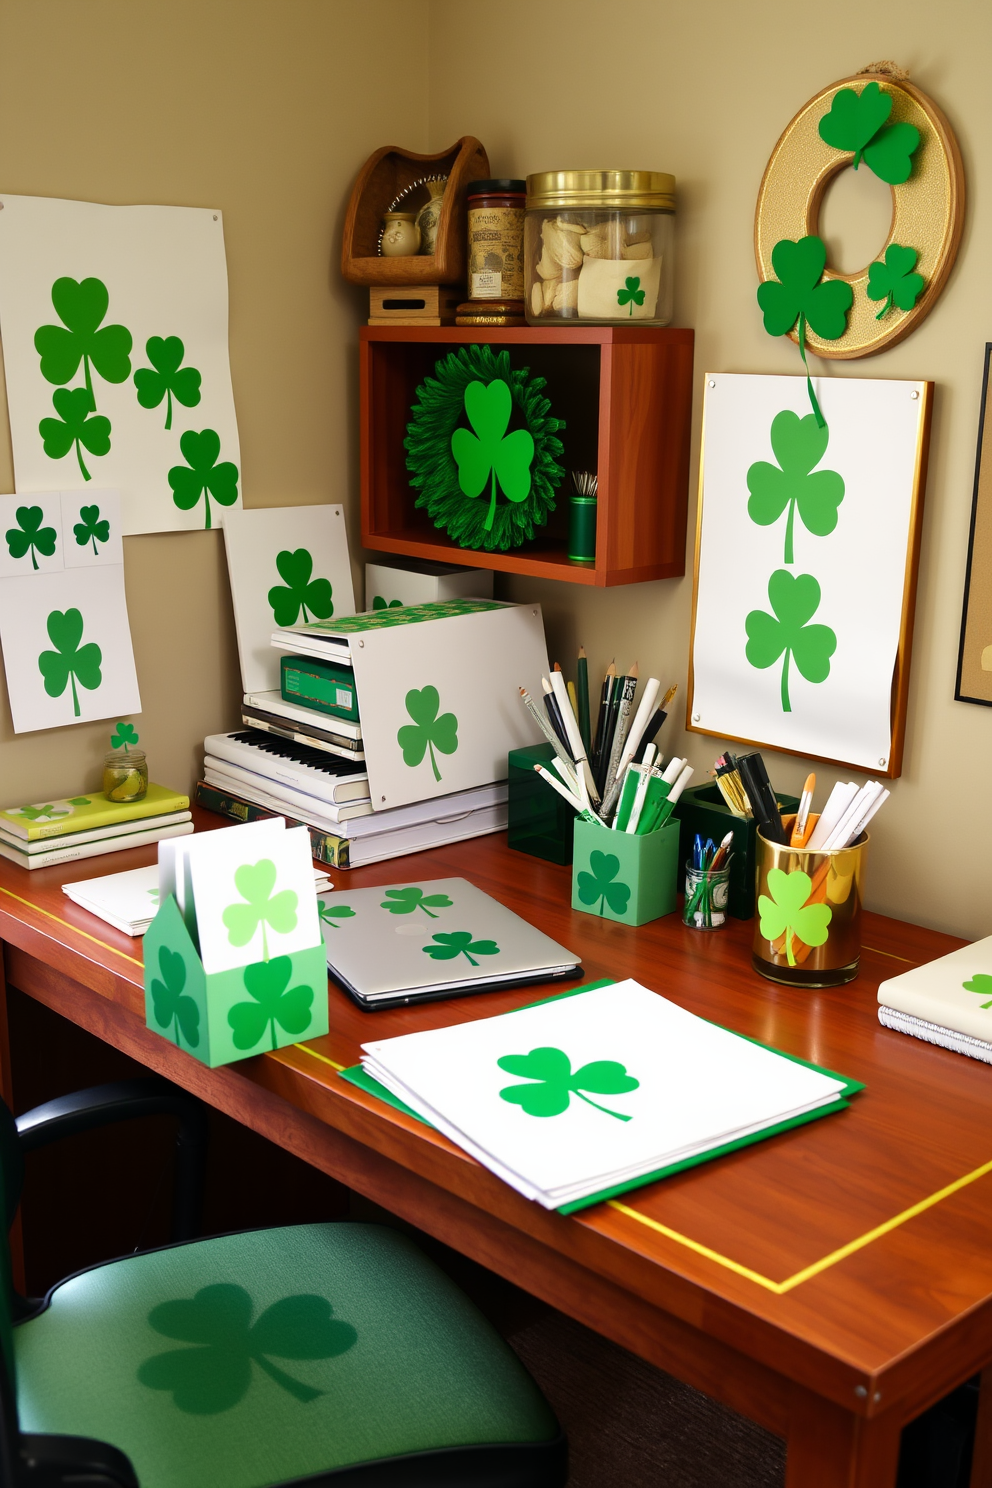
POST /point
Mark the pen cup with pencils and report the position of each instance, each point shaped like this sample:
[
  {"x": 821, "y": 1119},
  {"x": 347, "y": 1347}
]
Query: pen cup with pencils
[
  {"x": 706, "y": 893},
  {"x": 625, "y": 876},
  {"x": 807, "y": 932},
  {"x": 583, "y": 508}
]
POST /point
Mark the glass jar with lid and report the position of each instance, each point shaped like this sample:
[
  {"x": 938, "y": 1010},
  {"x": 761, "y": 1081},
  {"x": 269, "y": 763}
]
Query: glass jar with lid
[{"x": 598, "y": 247}]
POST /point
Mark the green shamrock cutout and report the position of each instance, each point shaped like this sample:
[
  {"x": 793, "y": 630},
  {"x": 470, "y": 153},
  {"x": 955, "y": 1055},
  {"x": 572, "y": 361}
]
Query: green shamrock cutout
[
  {"x": 29, "y": 536},
  {"x": 556, "y": 1084},
  {"x": 81, "y": 308},
  {"x": 79, "y": 800},
  {"x": 428, "y": 731},
  {"x": 170, "y": 1003},
  {"x": 216, "y": 1373},
  {"x": 893, "y": 281},
  {"x": 405, "y": 901},
  {"x": 857, "y": 122},
  {"x": 46, "y": 813},
  {"x": 74, "y": 426},
  {"x": 798, "y": 295},
  {"x": 632, "y": 294},
  {"x": 490, "y": 453},
  {"x": 169, "y": 380},
  {"x": 265, "y": 982},
  {"x": 459, "y": 943},
  {"x": 124, "y": 735},
  {"x": 255, "y": 882},
  {"x": 787, "y": 913},
  {"x": 599, "y": 884},
  {"x": 302, "y": 592},
  {"x": 798, "y": 444},
  {"x": 981, "y": 985},
  {"x": 203, "y": 477},
  {"x": 69, "y": 662},
  {"x": 329, "y": 914},
  {"x": 378, "y": 603},
  {"x": 91, "y": 527},
  {"x": 794, "y": 600}
]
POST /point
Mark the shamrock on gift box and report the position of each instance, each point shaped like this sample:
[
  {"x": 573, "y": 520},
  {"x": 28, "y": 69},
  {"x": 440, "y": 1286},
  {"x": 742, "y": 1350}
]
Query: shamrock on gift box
[
  {"x": 266, "y": 983},
  {"x": 170, "y": 1003}
]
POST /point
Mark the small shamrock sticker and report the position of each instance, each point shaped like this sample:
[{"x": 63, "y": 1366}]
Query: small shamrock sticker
[
  {"x": 490, "y": 454},
  {"x": 29, "y": 536},
  {"x": 170, "y": 1004},
  {"x": 124, "y": 737},
  {"x": 798, "y": 444},
  {"x": 255, "y": 883},
  {"x": 459, "y": 943},
  {"x": 551, "y": 1069},
  {"x": 787, "y": 913},
  {"x": 893, "y": 281},
  {"x": 405, "y": 901},
  {"x": 74, "y": 427},
  {"x": 266, "y": 982},
  {"x": 201, "y": 475},
  {"x": 81, "y": 308},
  {"x": 857, "y": 122},
  {"x": 981, "y": 985},
  {"x": 45, "y": 813},
  {"x": 69, "y": 662},
  {"x": 91, "y": 527},
  {"x": 599, "y": 884},
  {"x": 169, "y": 379},
  {"x": 79, "y": 800},
  {"x": 632, "y": 294},
  {"x": 787, "y": 633},
  {"x": 428, "y": 731},
  {"x": 378, "y": 603},
  {"x": 216, "y": 1373},
  {"x": 302, "y": 592},
  {"x": 329, "y": 914}
]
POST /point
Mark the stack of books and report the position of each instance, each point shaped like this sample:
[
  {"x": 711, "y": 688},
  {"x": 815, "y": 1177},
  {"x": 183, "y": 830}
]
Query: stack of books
[
  {"x": 946, "y": 1002},
  {"x": 83, "y": 826}
]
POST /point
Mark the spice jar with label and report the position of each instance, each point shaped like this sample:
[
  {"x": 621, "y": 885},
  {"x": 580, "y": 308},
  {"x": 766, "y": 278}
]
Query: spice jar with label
[
  {"x": 495, "y": 239},
  {"x": 598, "y": 247}
]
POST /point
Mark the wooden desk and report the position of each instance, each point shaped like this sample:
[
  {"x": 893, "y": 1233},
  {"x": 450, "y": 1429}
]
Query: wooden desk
[{"x": 830, "y": 1283}]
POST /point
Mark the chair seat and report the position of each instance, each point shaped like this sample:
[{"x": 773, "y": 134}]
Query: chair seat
[{"x": 263, "y": 1358}]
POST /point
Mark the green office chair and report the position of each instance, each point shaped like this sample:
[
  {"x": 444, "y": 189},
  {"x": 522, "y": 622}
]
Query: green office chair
[{"x": 323, "y": 1354}]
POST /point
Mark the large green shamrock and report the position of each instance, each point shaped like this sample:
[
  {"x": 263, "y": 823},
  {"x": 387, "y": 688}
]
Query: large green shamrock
[
  {"x": 170, "y": 1003},
  {"x": 893, "y": 281},
  {"x": 794, "y": 600},
  {"x": 29, "y": 535},
  {"x": 302, "y": 593},
  {"x": 69, "y": 661},
  {"x": 378, "y": 603},
  {"x": 552, "y": 1068},
  {"x": 405, "y": 901},
  {"x": 255, "y": 882},
  {"x": 787, "y": 913},
  {"x": 599, "y": 884},
  {"x": 981, "y": 984},
  {"x": 204, "y": 477},
  {"x": 427, "y": 731},
  {"x": 91, "y": 527},
  {"x": 74, "y": 426},
  {"x": 214, "y": 1375},
  {"x": 799, "y": 444},
  {"x": 459, "y": 943},
  {"x": 329, "y": 914},
  {"x": 799, "y": 296},
  {"x": 125, "y": 735},
  {"x": 494, "y": 453},
  {"x": 167, "y": 381},
  {"x": 856, "y": 122},
  {"x": 81, "y": 308},
  {"x": 632, "y": 294},
  {"x": 265, "y": 982}
]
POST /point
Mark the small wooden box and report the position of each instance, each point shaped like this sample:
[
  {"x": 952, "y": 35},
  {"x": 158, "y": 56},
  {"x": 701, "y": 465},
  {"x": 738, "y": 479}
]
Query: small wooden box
[{"x": 413, "y": 304}]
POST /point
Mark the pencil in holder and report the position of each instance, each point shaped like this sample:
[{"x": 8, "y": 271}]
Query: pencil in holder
[
  {"x": 701, "y": 809},
  {"x": 706, "y": 893},
  {"x": 808, "y": 927},
  {"x": 539, "y": 822},
  {"x": 624, "y": 877}
]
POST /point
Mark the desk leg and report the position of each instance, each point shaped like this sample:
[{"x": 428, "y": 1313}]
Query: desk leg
[
  {"x": 981, "y": 1462},
  {"x": 830, "y": 1448},
  {"x": 7, "y": 1092}
]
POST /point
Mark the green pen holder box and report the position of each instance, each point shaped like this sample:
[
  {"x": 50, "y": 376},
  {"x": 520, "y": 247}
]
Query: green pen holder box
[
  {"x": 702, "y": 809},
  {"x": 539, "y": 822},
  {"x": 319, "y": 685},
  {"x": 222, "y": 1016},
  {"x": 624, "y": 877}
]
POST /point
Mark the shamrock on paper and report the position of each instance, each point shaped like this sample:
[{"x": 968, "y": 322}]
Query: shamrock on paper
[
  {"x": 201, "y": 475},
  {"x": 170, "y": 1004},
  {"x": 169, "y": 379},
  {"x": 798, "y": 295},
  {"x": 124, "y": 736},
  {"x": 798, "y": 444},
  {"x": 75, "y": 425},
  {"x": 490, "y": 454},
  {"x": 857, "y": 122},
  {"x": 29, "y": 536},
  {"x": 428, "y": 731},
  {"x": 81, "y": 308},
  {"x": 787, "y": 913},
  {"x": 265, "y": 982},
  {"x": 405, "y": 901},
  {"x": 599, "y": 884},
  {"x": 255, "y": 883},
  {"x": 551, "y": 1069},
  {"x": 302, "y": 592},
  {"x": 91, "y": 527},
  {"x": 632, "y": 294},
  {"x": 216, "y": 1373},
  {"x": 787, "y": 633},
  {"x": 69, "y": 662},
  {"x": 42, "y": 813},
  {"x": 893, "y": 281},
  {"x": 378, "y": 603},
  {"x": 459, "y": 943},
  {"x": 329, "y": 914},
  {"x": 981, "y": 985}
]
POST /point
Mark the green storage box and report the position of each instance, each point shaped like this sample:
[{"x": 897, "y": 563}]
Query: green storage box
[
  {"x": 702, "y": 809},
  {"x": 320, "y": 685},
  {"x": 623, "y": 877},
  {"x": 539, "y": 822}
]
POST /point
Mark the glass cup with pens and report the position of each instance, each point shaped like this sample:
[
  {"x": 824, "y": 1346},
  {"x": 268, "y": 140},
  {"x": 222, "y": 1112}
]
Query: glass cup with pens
[{"x": 707, "y": 884}]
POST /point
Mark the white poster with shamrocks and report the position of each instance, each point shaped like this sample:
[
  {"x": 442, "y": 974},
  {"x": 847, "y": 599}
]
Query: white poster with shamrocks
[
  {"x": 804, "y": 538},
  {"x": 288, "y": 565},
  {"x": 114, "y": 325}
]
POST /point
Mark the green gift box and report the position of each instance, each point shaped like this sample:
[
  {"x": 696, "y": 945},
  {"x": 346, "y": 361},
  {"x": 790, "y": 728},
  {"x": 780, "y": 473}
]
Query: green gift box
[
  {"x": 622, "y": 876},
  {"x": 222, "y": 1016}
]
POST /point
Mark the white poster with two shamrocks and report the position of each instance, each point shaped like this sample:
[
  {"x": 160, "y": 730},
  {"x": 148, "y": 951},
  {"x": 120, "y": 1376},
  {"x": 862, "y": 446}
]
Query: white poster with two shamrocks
[{"x": 114, "y": 323}]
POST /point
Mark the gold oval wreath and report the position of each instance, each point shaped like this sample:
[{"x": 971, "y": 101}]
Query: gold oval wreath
[{"x": 927, "y": 210}]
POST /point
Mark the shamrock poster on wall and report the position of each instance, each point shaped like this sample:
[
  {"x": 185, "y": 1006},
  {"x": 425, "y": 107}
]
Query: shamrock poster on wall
[
  {"x": 804, "y": 583},
  {"x": 114, "y": 325}
]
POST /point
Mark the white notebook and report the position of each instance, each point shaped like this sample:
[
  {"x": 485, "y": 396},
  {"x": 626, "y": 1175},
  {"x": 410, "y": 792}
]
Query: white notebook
[{"x": 955, "y": 991}]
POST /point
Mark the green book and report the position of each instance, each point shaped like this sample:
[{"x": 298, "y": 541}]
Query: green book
[
  {"x": 81, "y": 813},
  {"x": 321, "y": 685}
]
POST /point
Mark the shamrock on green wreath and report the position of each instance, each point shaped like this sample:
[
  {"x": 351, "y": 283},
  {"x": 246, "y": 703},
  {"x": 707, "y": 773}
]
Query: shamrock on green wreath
[
  {"x": 201, "y": 475},
  {"x": 69, "y": 662},
  {"x": 490, "y": 453},
  {"x": 893, "y": 281},
  {"x": 632, "y": 294},
  {"x": 551, "y": 1069},
  {"x": 91, "y": 527},
  {"x": 459, "y": 943},
  {"x": 787, "y": 913},
  {"x": 405, "y": 901},
  {"x": 29, "y": 536},
  {"x": 428, "y": 731},
  {"x": 169, "y": 379},
  {"x": 170, "y": 1004},
  {"x": 857, "y": 122},
  {"x": 794, "y": 600},
  {"x": 599, "y": 884},
  {"x": 302, "y": 592},
  {"x": 266, "y": 982},
  {"x": 74, "y": 426},
  {"x": 798, "y": 444},
  {"x": 981, "y": 985}
]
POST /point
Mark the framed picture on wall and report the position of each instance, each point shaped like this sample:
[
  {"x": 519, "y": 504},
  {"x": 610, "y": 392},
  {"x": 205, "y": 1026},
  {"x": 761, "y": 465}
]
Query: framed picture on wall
[{"x": 974, "y": 681}]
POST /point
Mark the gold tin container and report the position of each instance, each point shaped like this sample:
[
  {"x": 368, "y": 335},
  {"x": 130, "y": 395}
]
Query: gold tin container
[{"x": 807, "y": 929}]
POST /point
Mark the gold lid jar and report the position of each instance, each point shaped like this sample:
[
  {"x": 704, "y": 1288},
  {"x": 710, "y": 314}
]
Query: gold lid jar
[{"x": 627, "y": 189}]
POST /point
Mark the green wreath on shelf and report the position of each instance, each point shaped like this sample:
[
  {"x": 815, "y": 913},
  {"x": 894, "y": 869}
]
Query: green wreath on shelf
[{"x": 486, "y": 487}]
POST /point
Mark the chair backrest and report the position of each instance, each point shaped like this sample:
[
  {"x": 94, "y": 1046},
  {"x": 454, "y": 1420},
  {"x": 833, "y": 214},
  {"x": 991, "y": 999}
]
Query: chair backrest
[{"x": 11, "y": 1183}]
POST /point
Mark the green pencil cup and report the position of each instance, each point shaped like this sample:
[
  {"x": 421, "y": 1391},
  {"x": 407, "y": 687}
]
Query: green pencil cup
[
  {"x": 582, "y": 512},
  {"x": 623, "y": 877},
  {"x": 538, "y": 822},
  {"x": 702, "y": 809}
]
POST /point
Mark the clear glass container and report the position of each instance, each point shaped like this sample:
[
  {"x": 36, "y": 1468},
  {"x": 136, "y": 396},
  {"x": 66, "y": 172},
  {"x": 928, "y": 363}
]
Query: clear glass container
[
  {"x": 599, "y": 247},
  {"x": 125, "y": 775},
  {"x": 706, "y": 893}
]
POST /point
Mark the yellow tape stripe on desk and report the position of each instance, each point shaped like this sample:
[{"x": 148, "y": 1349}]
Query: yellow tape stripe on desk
[{"x": 74, "y": 928}]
